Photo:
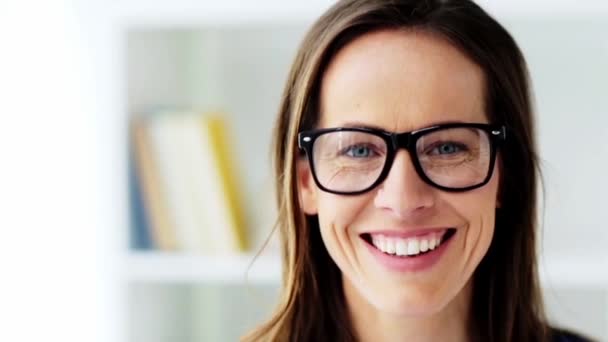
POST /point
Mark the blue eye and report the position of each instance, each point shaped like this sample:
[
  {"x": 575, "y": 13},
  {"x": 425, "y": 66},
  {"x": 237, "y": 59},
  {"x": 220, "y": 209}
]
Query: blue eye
[
  {"x": 359, "y": 151},
  {"x": 447, "y": 148}
]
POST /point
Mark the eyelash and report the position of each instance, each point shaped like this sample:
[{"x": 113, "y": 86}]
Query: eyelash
[
  {"x": 350, "y": 148},
  {"x": 459, "y": 147}
]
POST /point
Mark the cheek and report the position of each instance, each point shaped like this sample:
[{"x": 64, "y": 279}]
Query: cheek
[
  {"x": 338, "y": 211},
  {"x": 337, "y": 215},
  {"x": 479, "y": 233},
  {"x": 478, "y": 209}
]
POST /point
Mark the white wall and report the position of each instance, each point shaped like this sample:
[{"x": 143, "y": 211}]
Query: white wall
[
  {"x": 57, "y": 250},
  {"x": 568, "y": 61}
]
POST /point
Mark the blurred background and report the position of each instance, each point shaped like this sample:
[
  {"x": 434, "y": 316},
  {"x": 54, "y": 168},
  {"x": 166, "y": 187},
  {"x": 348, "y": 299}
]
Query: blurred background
[{"x": 119, "y": 116}]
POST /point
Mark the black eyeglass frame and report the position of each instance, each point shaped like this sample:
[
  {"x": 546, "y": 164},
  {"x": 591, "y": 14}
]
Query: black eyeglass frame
[{"x": 407, "y": 140}]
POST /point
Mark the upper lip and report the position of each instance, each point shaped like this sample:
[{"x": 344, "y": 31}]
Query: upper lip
[{"x": 410, "y": 232}]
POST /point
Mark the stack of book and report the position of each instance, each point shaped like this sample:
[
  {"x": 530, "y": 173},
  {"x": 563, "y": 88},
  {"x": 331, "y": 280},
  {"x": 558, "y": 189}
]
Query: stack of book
[{"x": 184, "y": 193}]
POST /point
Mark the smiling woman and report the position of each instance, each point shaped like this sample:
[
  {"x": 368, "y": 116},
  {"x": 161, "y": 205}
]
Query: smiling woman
[{"x": 406, "y": 172}]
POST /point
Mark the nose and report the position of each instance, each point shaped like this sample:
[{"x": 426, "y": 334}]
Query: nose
[{"x": 403, "y": 193}]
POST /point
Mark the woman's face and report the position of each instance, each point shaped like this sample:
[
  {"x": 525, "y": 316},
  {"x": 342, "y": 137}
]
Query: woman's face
[{"x": 401, "y": 81}]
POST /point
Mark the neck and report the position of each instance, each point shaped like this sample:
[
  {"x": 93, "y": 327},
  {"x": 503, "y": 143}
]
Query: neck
[{"x": 371, "y": 324}]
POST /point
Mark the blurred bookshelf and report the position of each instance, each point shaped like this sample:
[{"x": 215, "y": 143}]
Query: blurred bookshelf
[
  {"x": 178, "y": 77},
  {"x": 230, "y": 59},
  {"x": 162, "y": 267}
]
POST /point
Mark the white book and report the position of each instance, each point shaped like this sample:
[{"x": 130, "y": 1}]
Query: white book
[
  {"x": 168, "y": 132},
  {"x": 202, "y": 177},
  {"x": 210, "y": 185}
]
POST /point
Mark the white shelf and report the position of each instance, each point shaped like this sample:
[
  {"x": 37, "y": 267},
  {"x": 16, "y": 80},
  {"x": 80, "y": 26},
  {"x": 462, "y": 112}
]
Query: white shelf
[
  {"x": 186, "y": 13},
  {"x": 159, "y": 267},
  {"x": 568, "y": 272},
  {"x": 544, "y": 8}
]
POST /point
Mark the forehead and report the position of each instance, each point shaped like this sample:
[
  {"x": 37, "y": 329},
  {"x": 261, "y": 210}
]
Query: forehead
[{"x": 400, "y": 81}]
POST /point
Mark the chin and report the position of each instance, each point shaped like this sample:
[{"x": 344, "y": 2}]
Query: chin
[
  {"x": 408, "y": 308},
  {"x": 407, "y": 302}
]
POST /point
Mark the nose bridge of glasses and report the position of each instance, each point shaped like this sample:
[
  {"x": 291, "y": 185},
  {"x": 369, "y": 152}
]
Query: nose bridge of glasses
[{"x": 402, "y": 140}]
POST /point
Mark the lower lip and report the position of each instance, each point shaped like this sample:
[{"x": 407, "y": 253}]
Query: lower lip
[{"x": 410, "y": 264}]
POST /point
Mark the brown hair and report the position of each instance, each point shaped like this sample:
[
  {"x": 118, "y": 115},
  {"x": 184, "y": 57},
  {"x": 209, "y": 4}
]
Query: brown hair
[{"x": 506, "y": 303}]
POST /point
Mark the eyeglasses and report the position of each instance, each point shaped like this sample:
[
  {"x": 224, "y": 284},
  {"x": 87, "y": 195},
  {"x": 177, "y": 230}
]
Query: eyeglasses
[{"x": 452, "y": 157}]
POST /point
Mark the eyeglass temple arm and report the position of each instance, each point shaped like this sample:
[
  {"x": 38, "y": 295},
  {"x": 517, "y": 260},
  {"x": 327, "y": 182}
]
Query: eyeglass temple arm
[{"x": 501, "y": 133}]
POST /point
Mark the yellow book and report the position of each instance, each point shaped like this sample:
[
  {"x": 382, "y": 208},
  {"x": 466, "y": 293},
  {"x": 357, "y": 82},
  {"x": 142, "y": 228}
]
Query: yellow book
[{"x": 228, "y": 179}]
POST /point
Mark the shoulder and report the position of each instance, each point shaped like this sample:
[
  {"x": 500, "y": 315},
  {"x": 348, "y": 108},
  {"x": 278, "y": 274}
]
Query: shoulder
[{"x": 561, "y": 335}]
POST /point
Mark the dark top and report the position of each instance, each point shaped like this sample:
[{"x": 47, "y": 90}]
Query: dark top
[{"x": 567, "y": 336}]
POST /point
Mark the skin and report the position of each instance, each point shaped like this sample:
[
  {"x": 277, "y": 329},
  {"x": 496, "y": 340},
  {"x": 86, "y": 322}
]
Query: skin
[{"x": 402, "y": 81}]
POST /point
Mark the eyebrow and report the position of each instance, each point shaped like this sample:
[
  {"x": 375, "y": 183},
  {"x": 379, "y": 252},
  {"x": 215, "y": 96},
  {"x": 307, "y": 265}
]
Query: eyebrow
[{"x": 358, "y": 124}]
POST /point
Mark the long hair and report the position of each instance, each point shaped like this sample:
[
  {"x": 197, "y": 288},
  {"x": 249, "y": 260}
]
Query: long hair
[{"x": 506, "y": 301}]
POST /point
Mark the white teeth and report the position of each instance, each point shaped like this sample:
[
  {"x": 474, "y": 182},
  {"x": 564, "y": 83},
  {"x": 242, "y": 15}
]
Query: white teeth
[
  {"x": 390, "y": 246},
  {"x": 406, "y": 247},
  {"x": 412, "y": 247},
  {"x": 424, "y": 245},
  {"x": 432, "y": 242},
  {"x": 402, "y": 247},
  {"x": 382, "y": 244},
  {"x": 379, "y": 242}
]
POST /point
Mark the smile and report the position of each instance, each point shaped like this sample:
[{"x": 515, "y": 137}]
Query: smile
[
  {"x": 410, "y": 247},
  {"x": 411, "y": 253}
]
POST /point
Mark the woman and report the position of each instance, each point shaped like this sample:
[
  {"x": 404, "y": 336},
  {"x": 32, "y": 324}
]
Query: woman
[{"x": 406, "y": 173}]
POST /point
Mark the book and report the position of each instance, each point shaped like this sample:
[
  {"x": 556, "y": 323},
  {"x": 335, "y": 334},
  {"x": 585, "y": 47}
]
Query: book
[
  {"x": 229, "y": 211},
  {"x": 195, "y": 178},
  {"x": 147, "y": 178},
  {"x": 140, "y": 237},
  {"x": 174, "y": 150}
]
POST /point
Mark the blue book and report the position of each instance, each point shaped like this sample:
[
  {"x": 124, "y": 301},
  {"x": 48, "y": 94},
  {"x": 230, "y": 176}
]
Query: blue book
[{"x": 139, "y": 235}]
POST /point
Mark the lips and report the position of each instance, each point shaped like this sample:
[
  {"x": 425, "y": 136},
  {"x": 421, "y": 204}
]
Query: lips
[
  {"x": 405, "y": 255},
  {"x": 408, "y": 244}
]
